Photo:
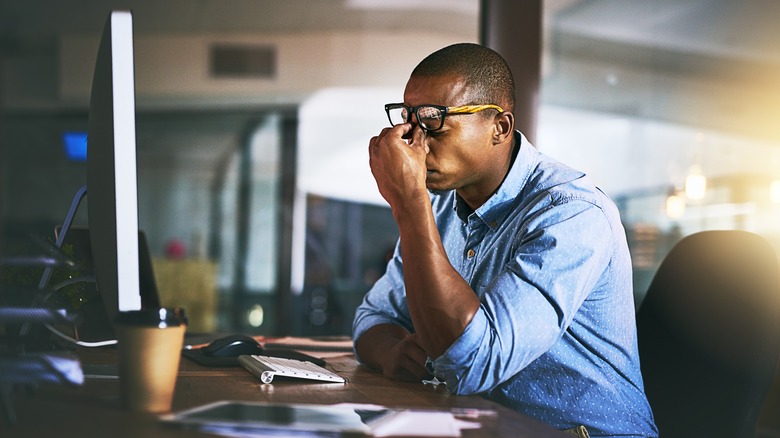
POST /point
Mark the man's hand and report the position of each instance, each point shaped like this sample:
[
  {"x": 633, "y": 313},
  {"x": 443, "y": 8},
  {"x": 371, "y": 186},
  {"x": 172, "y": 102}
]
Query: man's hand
[
  {"x": 397, "y": 160},
  {"x": 395, "y": 352},
  {"x": 406, "y": 361}
]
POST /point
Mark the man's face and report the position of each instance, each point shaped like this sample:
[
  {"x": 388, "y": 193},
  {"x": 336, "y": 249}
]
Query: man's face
[{"x": 462, "y": 154}]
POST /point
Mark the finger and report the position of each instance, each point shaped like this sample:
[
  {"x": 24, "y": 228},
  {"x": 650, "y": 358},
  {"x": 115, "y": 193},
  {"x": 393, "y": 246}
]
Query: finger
[
  {"x": 418, "y": 369},
  {"x": 415, "y": 352},
  {"x": 390, "y": 134},
  {"x": 414, "y": 358},
  {"x": 377, "y": 139},
  {"x": 409, "y": 371},
  {"x": 407, "y": 131},
  {"x": 418, "y": 137},
  {"x": 404, "y": 128}
]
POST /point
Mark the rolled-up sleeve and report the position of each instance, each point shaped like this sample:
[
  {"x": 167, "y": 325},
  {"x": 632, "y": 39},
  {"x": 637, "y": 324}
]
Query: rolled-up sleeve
[{"x": 556, "y": 261}]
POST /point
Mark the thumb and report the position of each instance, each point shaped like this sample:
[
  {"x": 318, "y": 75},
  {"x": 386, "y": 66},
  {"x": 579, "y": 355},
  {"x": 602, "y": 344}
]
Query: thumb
[{"x": 406, "y": 130}]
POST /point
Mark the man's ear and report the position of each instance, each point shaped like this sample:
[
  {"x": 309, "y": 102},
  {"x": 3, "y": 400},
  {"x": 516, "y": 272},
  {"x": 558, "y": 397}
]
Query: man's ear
[{"x": 503, "y": 127}]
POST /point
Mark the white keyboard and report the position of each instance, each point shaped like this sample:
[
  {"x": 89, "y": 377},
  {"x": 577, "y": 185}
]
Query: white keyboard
[{"x": 266, "y": 367}]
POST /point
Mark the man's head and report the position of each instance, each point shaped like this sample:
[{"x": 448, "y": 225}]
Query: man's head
[
  {"x": 468, "y": 151},
  {"x": 486, "y": 74}
]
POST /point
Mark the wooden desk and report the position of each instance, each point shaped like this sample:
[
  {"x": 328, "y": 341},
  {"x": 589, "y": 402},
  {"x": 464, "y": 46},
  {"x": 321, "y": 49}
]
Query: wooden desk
[{"x": 93, "y": 409}]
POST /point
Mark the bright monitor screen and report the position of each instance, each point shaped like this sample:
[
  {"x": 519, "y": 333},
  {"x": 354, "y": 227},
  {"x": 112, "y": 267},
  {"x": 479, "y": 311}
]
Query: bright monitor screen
[{"x": 112, "y": 193}]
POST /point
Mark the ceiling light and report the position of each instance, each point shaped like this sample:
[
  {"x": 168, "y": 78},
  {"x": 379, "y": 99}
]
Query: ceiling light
[
  {"x": 675, "y": 206},
  {"x": 695, "y": 185}
]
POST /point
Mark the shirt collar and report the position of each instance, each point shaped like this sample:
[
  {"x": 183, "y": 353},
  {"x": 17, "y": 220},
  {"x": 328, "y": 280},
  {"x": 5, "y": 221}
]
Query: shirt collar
[{"x": 496, "y": 208}]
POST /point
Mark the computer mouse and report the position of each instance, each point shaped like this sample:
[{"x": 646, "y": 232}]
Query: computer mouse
[{"x": 232, "y": 346}]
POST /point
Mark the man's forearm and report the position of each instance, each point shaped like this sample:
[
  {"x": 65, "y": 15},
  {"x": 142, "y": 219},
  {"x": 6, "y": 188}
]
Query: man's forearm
[{"x": 441, "y": 302}]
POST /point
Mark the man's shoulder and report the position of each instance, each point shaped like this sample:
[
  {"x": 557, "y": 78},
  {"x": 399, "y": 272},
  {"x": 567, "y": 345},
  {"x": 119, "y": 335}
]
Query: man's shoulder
[{"x": 565, "y": 181}]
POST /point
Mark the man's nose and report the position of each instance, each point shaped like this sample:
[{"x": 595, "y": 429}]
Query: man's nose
[{"x": 413, "y": 119}]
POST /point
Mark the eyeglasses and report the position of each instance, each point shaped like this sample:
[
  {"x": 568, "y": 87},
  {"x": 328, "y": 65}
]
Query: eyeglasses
[{"x": 430, "y": 117}]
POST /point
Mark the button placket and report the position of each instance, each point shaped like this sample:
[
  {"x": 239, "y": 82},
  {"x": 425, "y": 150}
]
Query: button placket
[{"x": 473, "y": 238}]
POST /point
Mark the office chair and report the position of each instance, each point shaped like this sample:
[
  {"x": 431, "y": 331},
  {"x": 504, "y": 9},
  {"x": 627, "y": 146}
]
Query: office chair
[{"x": 709, "y": 334}]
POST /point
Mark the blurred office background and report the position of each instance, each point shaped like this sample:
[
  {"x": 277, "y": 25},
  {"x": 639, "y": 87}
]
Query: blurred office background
[{"x": 253, "y": 118}]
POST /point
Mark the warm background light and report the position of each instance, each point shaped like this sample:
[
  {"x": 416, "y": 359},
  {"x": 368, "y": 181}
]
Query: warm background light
[
  {"x": 695, "y": 186},
  {"x": 774, "y": 191},
  {"x": 675, "y": 206}
]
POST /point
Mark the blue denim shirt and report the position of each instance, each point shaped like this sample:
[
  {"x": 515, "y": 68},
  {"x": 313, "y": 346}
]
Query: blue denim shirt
[{"x": 555, "y": 335}]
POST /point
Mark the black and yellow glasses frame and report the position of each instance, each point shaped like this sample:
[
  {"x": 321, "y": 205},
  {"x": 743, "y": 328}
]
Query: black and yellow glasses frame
[{"x": 431, "y": 117}]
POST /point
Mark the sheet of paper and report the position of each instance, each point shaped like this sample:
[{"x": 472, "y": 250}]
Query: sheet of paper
[
  {"x": 410, "y": 422},
  {"x": 407, "y": 422},
  {"x": 422, "y": 423}
]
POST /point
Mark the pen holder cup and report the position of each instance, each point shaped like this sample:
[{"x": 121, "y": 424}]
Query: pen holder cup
[{"x": 149, "y": 347}]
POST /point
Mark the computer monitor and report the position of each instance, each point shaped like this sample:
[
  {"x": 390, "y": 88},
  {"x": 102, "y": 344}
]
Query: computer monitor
[{"x": 112, "y": 192}]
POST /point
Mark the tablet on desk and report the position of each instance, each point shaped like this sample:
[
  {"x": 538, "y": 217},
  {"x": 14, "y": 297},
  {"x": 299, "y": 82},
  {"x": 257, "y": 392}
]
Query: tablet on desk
[{"x": 245, "y": 416}]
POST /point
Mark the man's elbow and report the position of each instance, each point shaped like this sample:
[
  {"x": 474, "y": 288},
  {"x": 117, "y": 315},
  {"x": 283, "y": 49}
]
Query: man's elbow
[
  {"x": 464, "y": 387},
  {"x": 468, "y": 381}
]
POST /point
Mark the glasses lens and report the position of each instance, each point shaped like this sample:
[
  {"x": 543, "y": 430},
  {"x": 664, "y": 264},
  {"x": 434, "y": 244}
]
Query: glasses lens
[
  {"x": 430, "y": 118},
  {"x": 398, "y": 115}
]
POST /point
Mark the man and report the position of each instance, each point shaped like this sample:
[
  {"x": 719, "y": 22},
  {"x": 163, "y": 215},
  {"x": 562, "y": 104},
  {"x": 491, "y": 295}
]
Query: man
[{"x": 513, "y": 278}]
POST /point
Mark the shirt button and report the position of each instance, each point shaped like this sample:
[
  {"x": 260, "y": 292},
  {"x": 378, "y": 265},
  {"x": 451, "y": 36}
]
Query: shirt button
[{"x": 471, "y": 253}]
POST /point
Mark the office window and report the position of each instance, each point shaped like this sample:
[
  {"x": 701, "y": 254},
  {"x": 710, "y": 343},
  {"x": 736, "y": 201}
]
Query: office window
[{"x": 667, "y": 106}]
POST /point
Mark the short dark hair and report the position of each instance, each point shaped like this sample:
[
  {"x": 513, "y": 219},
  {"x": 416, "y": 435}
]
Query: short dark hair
[{"x": 486, "y": 73}]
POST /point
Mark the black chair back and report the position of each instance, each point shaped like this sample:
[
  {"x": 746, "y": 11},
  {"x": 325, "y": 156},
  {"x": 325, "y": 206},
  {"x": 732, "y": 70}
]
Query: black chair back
[{"x": 709, "y": 334}]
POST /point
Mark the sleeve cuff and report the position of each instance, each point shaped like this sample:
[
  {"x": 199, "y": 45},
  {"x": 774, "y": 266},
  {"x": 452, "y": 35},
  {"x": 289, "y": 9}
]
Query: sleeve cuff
[{"x": 453, "y": 366}]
